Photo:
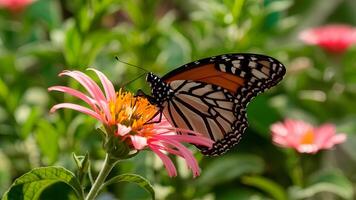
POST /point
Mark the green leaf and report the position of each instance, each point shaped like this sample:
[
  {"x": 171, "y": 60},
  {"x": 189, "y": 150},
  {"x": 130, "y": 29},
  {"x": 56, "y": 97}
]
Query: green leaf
[
  {"x": 30, "y": 185},
  {"x": 51, "y": 17},
  {"x": 327, "y": 181},
  {"x": 30, "y": 122},
  {"x": 47, "y": 138},
  {"x": 132, "y": 178},
  {"x": 228, "y": 168},
  {"x": 4, "y": 91},
  {"x": 83, "y": 164},
  {"x": 85, "y": 17},
  {"x": 66, "y": 192},
  {"x": 273, "y": 189},
  {"x": 240, "y": 194},
  {"x": 72, "y": 45},
  {"x": 236, "y": 9},
  {"x": 5, "y": 168}
]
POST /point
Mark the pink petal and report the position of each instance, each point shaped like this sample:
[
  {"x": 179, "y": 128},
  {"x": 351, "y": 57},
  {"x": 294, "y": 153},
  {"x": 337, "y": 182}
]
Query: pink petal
[
  {"x": 335, "y": 38},
  {"x": 289, "y": 134},
  {"x": 339, "y": 138},
  {"x": 307, "y": 148},
  {"x": 107, "y": 85},
  {"x": 138, "y": 142},
  {"x": 74, "y": 93},
  {"x": 282, "y": 141},
  {"x": 292, "y": 134},
  {"x": 185, "y": 131},
  {"x": 164, "y": 122},
  {"x": 279, "y": 129},
  {"x": 297, "y": 127},
  {"x": 198, "y": 140},
  {"x": 77, "y": 108},
  {"x": 326, "y": 136},
  {"x": 122, "y": 130},
  {"x": 186, "y": 153},
  {"x": 284, "y": 135},
  {"x": 336, "y": 139},
  {"x": 164, "y": 148},
  {"x": 171, "y": 169},
  {"x": 323, "y": 134},
  {"x": 93, "y": 89},
  {"x": 15, "y": 5},
  {"x": 195, "y": 169}
]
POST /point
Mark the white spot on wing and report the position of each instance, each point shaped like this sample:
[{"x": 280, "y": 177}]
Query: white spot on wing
[
  {"x": 236, "y": 65},
  {"x": 258, "y": 74},
  {"x": 252, "y": 64},
  {"x": 274, "y": 66},
  {"x": 222, "y": 67}
]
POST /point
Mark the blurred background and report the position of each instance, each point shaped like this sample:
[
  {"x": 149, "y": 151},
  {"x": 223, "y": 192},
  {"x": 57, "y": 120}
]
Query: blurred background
[{"x": 39, "y": 39}]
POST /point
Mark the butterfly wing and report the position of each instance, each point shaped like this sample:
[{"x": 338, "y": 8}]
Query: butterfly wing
[
  {"x": 207, "y": 109},
  {"x": 210, "y": 95}
]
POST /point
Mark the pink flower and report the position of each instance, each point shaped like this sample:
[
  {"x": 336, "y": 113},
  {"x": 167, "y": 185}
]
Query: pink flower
[
  {"x": 304, "y": 137},
  {"x": 15, "y": 5},
  {"x": 335, "y": 38},
  {"x": 162, "y": 138},
  {"x": 125, "y": 116}
]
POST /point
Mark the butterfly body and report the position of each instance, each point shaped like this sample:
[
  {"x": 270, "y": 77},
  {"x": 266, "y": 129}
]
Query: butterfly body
[
  {"x": 210, "y": 95},
  {"x": 160, "y": 91}
]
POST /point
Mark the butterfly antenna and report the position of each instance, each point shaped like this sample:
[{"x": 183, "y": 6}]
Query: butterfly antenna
[
  {"x": 131, "y": 81},
  {"x": 117, "y": 58}
]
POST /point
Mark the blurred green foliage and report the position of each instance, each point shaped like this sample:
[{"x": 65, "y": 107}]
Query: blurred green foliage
[{"x": 50, "y": 36}]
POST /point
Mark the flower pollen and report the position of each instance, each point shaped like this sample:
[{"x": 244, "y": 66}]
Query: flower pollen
[
  {"x": 131, "y": 111},
  {"x": 308, "y": 137}
]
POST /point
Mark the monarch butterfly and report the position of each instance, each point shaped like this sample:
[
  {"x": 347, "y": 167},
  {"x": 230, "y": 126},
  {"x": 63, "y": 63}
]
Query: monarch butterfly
[{"x": 210, "y": 95}]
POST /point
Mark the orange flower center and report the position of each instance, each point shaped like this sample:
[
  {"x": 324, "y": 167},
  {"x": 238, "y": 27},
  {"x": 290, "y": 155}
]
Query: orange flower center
[
  {"x": 308, "y": 137},
  {"x": 131, "y": 111}
]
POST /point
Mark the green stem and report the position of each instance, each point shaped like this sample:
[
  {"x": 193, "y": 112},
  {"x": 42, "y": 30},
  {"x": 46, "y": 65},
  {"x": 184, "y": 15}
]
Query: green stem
[
  {"x": 108, "y": 164},
  {"x": 295, "y": 168}
]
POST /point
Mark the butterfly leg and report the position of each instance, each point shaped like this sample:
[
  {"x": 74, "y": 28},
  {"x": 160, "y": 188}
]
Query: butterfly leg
[
  {"x": 159, "y": 112},
  {"x": 140, "y": 93}
]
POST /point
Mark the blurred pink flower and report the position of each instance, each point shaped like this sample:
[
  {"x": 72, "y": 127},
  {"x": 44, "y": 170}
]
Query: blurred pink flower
[
  {"x": 15, "y": 5},
  {"x": 335, "y": 38},
  {"x": 304, "y": 137},
  {"x": 126, "y": 117}
]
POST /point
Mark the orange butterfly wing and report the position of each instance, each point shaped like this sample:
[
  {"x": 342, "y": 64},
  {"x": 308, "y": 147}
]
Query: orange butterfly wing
[{"x": 209, "y": 74}]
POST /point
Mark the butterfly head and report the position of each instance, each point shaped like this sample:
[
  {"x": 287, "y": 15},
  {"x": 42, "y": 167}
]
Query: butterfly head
[
  {"x": 160, "y": 90},
  {"x": 151, "y": 78}
]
